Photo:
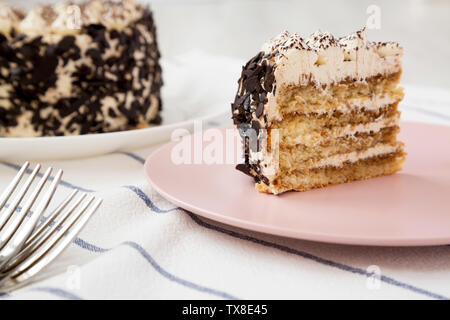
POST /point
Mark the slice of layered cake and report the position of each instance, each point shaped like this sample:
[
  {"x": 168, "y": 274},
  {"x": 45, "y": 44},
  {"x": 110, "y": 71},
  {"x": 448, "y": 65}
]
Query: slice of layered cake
[
  {"x": 319, "y": 111},
  {"x": 72, "y": 69}
]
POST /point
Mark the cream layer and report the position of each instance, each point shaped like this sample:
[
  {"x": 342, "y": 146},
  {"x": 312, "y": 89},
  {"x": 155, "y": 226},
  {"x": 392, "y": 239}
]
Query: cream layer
[
  {"x": 374, "y": 103},
  {"x": 339, "y": 159},
  {"x": 300, "y": 133}
]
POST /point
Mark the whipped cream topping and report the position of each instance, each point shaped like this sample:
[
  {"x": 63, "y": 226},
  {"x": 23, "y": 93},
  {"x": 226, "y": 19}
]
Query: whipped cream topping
[
  {"x": 69, "y": 17},
  {"x": 323, "y": 59},
  {"x": 316, "y": 138},
  {"x": 9, "y": 17},
  {"x": 37, "y": 20},
  {"x": 113, "y": 14}
]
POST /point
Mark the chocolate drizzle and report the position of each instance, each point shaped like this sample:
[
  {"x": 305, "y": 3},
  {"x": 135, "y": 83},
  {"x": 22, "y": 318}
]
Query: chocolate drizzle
[
  {"x": 28, "y": 69},
  {"x": 257, "y": 80}
]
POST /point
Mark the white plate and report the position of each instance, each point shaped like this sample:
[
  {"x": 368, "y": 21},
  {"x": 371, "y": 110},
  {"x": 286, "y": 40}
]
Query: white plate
[{"x": 197, "y": 87}]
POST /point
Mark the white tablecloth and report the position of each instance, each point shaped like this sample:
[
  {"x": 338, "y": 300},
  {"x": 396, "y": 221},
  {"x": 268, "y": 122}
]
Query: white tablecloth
[{"x": 139, "y": 245}]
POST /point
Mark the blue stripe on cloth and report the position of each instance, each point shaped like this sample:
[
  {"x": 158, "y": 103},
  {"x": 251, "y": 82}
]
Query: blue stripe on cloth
[
  {"x": 88, "y": 246},
  {"x": 134, "y": 156},
  {"x": 63, "y": 183},
  {"x": 147, "y": 200},
  {"x": 176, "y": 279},
  {"x": 299, "y": 253},
  {"x": 57, "y": 292}
]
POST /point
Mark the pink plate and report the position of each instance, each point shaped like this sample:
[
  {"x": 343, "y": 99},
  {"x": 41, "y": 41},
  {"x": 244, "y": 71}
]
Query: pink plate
[{"x": 410, "y": 208}]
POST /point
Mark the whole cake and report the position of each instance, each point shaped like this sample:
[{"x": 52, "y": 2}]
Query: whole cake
[
  {"x": 73, "y": 69},
  {"x": 319, "y": 111}
]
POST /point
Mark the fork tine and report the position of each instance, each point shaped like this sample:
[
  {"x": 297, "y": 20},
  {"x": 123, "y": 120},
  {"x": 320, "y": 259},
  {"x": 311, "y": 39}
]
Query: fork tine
[
  {"x": 58, "y": 224},
  {"x": 52, "y": 248},
  {"x": 13, "y": 185},
  {"x": 17, "y": 241},
  {"x": 39, "y": 240},
  {"x": 51, "y": 218},
  {"x": 18, "y": 218},
  {"x": 13, "y": 206}
]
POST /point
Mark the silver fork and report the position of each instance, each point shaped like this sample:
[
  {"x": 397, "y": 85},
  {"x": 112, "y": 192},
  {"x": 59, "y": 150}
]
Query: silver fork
[{"x": 27, "y": 247}]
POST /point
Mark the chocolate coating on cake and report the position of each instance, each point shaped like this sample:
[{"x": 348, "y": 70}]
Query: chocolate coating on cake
[
  {"x": 93, "y": 80},
  {"x": 257, "y": 80}
]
